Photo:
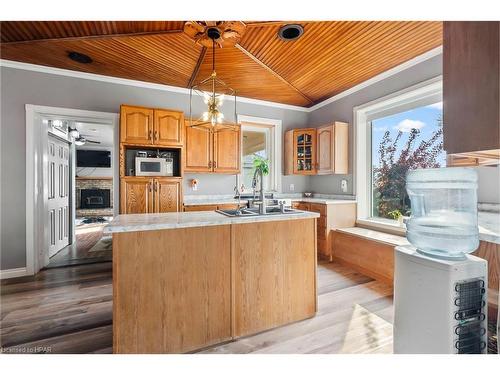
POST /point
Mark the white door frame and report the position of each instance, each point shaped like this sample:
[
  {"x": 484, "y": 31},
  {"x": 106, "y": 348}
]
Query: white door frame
[{"x": 36, "y": 187}]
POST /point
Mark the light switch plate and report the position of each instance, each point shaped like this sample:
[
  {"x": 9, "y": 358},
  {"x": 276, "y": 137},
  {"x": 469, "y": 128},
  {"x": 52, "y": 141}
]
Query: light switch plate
[{"x": 292, "y": 187}]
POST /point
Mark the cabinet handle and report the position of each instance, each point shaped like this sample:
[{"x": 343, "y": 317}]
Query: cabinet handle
[
  {"x": 150, "y": 134},
  {"x": 156, "y": 185},
  {"x": 209, "y": 164},
  {"x": 149, "y": 186},
  {"x": 215, "y": 164},
  {"x": 156, "y": 134}
]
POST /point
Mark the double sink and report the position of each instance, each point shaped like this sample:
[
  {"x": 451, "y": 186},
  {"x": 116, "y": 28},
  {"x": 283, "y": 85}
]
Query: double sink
[{"x": 254, "y": 211}]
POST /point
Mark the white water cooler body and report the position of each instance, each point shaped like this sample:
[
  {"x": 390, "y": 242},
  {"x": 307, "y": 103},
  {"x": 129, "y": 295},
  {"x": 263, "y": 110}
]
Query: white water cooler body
[{"x": 440, "y": 306}]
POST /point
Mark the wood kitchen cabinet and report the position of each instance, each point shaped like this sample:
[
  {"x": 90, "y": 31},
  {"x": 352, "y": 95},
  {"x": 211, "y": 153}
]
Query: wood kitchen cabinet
[
  {"x": 136, "y": 124},
  {"x": 317, "y": 151},
  {"x": 332, "y": 216},
  {"x": 217, "y": 152},
  {"x": 471, "y": 88},
  {"x": 332, "y": 148},
  {"x": 168, "y": 128},
  {"x": 150, "y": 126},
  {"x": 300, "y": 151},
  {"x": 140, "y": 195}
]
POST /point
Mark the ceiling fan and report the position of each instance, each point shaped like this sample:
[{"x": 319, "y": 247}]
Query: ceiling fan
[{"x": 80, "y": 139}]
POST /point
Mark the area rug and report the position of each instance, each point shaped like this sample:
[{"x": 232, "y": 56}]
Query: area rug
[{"x": 104, "y": 244}]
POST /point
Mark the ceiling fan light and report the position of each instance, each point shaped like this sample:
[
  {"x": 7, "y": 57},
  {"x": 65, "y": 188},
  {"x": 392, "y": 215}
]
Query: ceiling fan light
[{"x": 73, "y": 132}]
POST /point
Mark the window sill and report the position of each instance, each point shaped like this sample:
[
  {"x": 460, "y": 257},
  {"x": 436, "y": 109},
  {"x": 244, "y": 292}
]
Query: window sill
[{"x": 387, "y": 226}]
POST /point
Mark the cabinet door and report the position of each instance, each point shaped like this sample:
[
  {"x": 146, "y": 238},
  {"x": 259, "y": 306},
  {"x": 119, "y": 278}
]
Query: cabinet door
[
  {"x": 136, "y": 125},
  {"x": 168, "y": 127},
  {"x": 304, "y": 143},
  {"x": 227, "y": 154},
  {"x": 167, "y": 194},
  {"x": 325, "y": 154},
  {"x": 341, "y": 148},
  {"x": 136, "y": 196},
  {"x": 198, "y": 149}
]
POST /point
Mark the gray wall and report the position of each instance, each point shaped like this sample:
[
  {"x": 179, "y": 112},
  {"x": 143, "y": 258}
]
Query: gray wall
[
  {"x": 20, "y": 87},
  {"x": 342, "y": 110}
]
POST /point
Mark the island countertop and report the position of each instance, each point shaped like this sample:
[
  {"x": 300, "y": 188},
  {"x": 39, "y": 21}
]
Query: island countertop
[{"x": 175, "y": 220}]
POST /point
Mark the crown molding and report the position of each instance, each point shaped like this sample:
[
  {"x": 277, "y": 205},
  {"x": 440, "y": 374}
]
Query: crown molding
[
  {"x": 181, "y": 90},
  {"x": 131, "y": 82}
]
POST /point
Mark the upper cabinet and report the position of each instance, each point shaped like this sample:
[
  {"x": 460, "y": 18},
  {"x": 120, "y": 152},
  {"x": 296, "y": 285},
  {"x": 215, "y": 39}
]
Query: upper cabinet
[
  {"x": 317, "y": 151},
  {"x": 217, "y": 152},
  {"x": 147, "y": 126},
  {"x": 136, "y": 124},
  {"x": 168, "y": 127},
  {"x": 471, "y": 87},
  {"x": 300, "y": 149},
  {"x": 227, "y": 151}
]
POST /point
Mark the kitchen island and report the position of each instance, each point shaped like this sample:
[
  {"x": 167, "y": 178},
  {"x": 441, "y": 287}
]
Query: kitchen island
[{"x": 187, "y": 280}]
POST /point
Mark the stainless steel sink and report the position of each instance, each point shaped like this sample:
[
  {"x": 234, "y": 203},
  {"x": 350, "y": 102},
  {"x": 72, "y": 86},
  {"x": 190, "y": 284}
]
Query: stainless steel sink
[{"x": 249, "y": 212}]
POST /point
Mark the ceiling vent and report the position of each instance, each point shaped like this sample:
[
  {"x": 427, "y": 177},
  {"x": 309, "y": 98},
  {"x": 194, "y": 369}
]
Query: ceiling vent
[
  {"x": 290, "y": 32},
  {"x": 79, "y": 57}
]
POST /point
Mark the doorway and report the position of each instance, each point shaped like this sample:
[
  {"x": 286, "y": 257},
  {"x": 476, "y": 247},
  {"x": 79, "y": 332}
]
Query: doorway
[
  {"x": 92, "y": 184},
  {"x": 71, "y": 189}
]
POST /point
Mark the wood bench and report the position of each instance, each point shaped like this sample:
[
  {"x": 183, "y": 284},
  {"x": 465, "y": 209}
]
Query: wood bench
[{"x": 372, "y": 253}]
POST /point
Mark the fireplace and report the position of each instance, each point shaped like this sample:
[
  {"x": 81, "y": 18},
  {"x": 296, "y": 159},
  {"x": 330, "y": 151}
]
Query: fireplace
[{"x": 95, "y": 198}]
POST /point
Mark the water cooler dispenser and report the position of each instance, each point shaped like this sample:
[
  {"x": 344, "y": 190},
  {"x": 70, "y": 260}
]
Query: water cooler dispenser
[{"x": 440, "y": 291}]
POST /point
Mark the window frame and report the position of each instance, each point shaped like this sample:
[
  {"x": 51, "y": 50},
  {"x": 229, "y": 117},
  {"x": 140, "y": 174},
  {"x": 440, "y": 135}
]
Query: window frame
[
  {"x": 275, "y": 151},
  {"x": 421, "y": 94}
]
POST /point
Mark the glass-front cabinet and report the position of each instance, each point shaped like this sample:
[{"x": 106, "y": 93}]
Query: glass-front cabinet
[{"x": 304, "y": 145}]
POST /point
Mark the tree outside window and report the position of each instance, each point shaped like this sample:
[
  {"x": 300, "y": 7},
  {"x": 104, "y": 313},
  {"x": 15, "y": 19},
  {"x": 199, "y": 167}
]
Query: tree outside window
[{"x": 408, "y": 140}]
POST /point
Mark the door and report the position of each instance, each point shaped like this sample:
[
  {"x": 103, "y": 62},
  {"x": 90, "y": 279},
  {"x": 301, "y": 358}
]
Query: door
[
  {"x": 304, "y": 143},
  {"x": 325, "y": 152},
  {"x": 168, "y": 127},
  {"x": 227, "y": 154},
  {"x": 198, "y": 149},
  {"x": 136, "y": 125},
  {"x": 167, "y": 195},
  {"x": 58, "y": 194},
  {"x": 136, "y": 195}
]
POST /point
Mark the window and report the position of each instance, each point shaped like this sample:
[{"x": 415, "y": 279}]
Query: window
[
  {"x": 400, "y": 142},
  {"x": 256, "y": 145},
  {"x": 261, "y": 139},
  {"x": 394, "y": 134}
]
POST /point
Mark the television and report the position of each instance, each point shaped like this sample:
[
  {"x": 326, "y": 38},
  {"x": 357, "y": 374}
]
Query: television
[{"x": 93, "y": 158}]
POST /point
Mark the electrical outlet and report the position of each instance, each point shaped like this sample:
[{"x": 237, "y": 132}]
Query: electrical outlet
[
  {"x": 343, "y": 186},
  {"x": 292, "y": 187}
]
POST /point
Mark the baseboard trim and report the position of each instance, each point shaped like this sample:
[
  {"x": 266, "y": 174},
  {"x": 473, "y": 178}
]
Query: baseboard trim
[{"x": 13, "y": 272}]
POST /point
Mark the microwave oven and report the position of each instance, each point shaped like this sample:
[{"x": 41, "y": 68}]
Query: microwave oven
[{"x": 154, "y": 166}]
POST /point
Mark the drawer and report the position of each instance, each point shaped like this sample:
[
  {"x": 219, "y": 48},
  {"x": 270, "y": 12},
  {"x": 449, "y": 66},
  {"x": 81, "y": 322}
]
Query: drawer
[
  {"x": 302, "y": 206},
  {"x": 319, "y": 208}
]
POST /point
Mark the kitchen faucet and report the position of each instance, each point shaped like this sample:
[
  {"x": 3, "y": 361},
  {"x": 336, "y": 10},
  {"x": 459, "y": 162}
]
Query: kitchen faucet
[{"x": 262, "y": 195}]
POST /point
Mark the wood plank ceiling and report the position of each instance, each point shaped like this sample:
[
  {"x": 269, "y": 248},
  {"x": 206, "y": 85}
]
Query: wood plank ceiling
[{"x": 329, "y": 58}]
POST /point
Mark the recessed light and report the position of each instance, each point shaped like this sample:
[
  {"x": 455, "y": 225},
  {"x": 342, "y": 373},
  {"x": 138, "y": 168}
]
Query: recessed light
[
  {"x": 80, "y": 57},
  {"x": 290, "y": 32}
]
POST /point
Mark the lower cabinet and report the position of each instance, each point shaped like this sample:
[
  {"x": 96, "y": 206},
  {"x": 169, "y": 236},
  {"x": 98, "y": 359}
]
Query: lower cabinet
[
  {"x": 332, "y": 216},
  {"x": 140, "y": 195}
]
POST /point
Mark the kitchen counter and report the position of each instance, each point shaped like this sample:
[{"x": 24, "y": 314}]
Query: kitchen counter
[
  {"x": 184, "y": 281},
  {"x": 229, "y": 199},
  {"x": 175, "y": 220}
]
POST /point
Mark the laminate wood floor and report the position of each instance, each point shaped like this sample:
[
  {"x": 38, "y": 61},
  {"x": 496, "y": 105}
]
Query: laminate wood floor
[{"x": 69, "y": 310}]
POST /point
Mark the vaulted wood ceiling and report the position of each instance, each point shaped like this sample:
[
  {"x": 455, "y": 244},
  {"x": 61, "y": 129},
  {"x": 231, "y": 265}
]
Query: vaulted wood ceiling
[{"x": 329, "y": 58}]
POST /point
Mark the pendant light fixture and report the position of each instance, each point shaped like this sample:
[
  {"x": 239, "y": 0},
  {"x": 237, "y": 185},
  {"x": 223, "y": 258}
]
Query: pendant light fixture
[{"x": 214, "y": 93}]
